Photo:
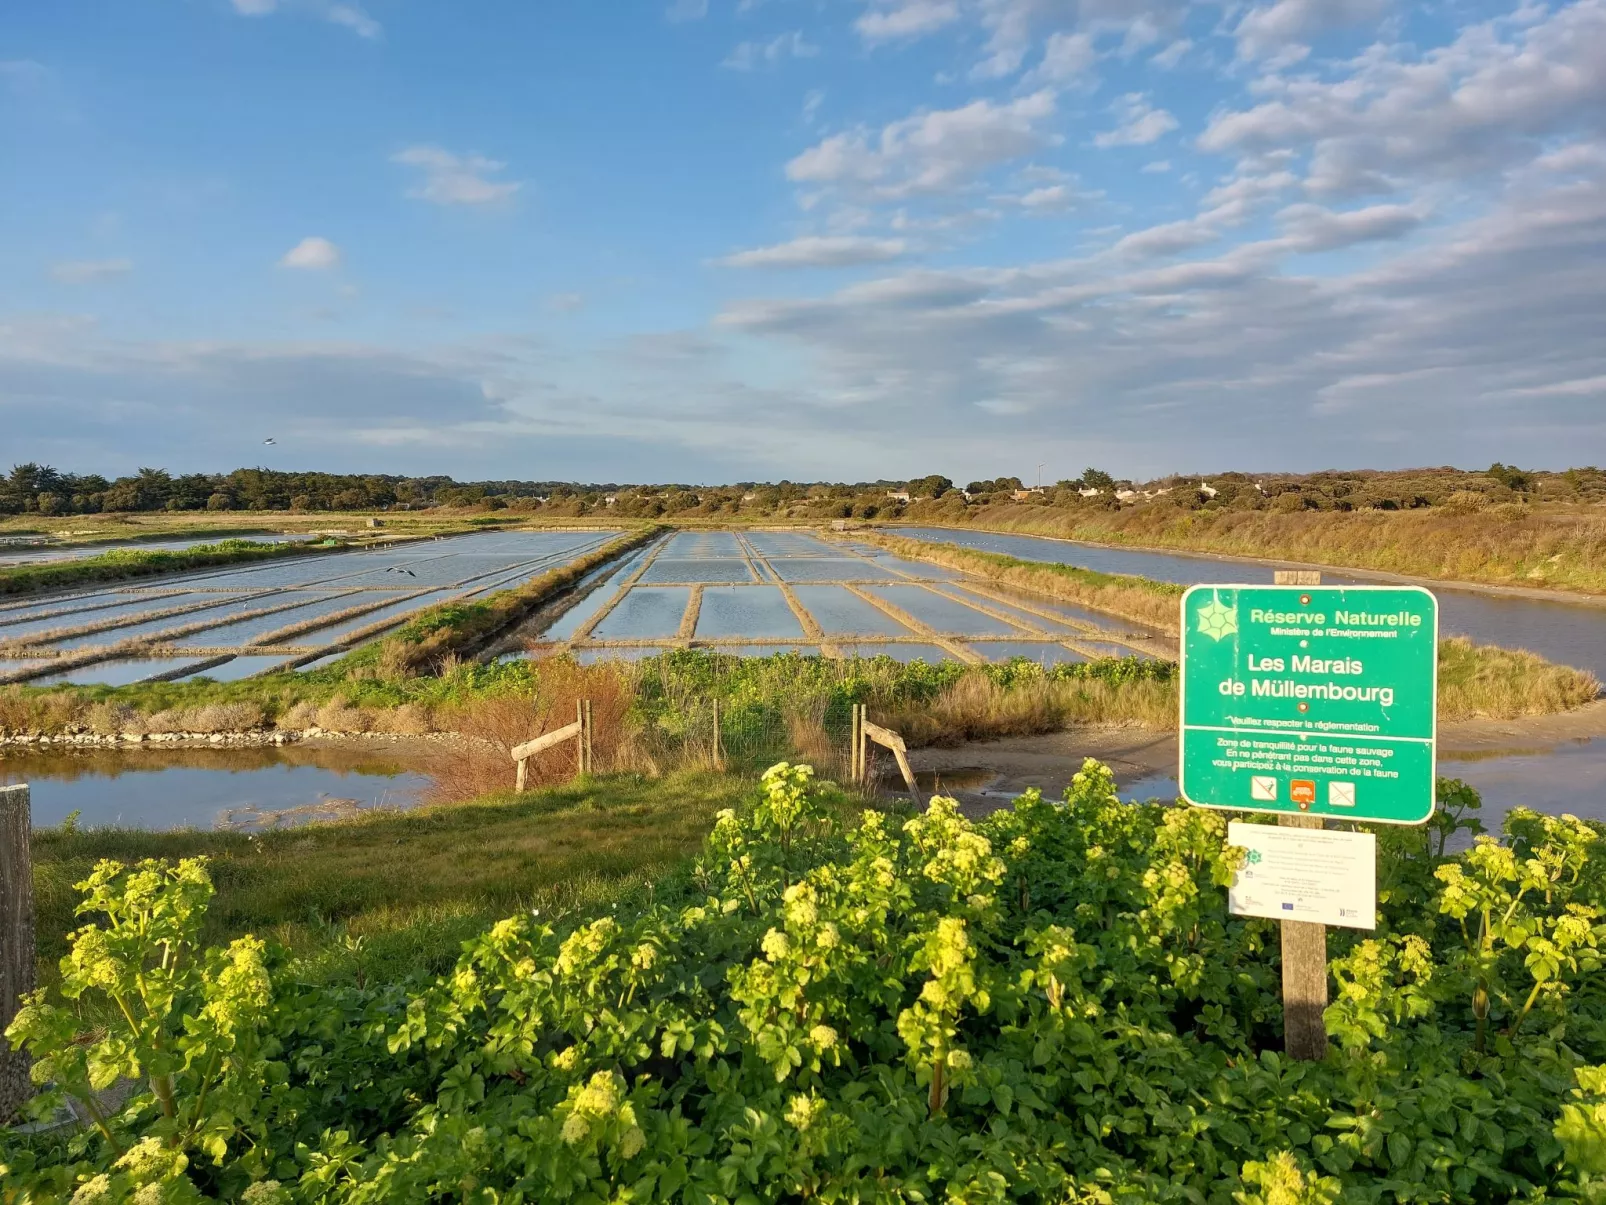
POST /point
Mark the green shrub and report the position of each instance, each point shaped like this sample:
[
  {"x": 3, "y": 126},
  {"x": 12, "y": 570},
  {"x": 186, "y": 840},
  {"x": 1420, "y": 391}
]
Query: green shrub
[{"x": 1050, "y": 1005}]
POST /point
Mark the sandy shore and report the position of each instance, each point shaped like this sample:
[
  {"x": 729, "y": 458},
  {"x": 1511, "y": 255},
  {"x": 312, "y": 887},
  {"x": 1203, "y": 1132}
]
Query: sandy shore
[{"x": 986, "y": 774}]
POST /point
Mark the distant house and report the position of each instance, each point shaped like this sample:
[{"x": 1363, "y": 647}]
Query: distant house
[
  {"x": 898, "y": 495},
  {"x": 1090, "y": 493},
  {"x": 610, "y": 499},
  {"x": 1209, "y": 491},
  {"x": 750, "y": 496},
  {"x": 1123, "y": 495},
  {"x": 1023, "y": 495}
]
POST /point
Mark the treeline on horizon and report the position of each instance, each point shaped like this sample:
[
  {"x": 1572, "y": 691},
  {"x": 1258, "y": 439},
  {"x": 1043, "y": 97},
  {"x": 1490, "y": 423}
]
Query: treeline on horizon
[{"x": 43, "y": 490}]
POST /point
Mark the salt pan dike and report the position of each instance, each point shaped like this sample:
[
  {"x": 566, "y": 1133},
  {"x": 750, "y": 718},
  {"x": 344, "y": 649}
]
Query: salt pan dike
[
  {"x": 756, "y": 592},
  {"x": 240, "y": 621}
]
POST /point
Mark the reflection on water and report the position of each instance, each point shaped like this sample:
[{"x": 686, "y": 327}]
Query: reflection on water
[
  {"x": 1570, "y": 778},
  {"x": 155, "y": 788},
  {"x": 1572, "y": 633}
]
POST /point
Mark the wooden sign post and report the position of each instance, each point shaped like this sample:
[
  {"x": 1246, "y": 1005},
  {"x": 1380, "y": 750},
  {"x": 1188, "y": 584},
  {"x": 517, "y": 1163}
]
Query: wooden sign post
[
  {"x": 1304, "y": 942},
  {"x": 16, "y": 940}
]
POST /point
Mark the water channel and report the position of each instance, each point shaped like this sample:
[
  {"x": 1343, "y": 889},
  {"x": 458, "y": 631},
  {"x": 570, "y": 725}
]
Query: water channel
[{"x": 244, "y": 789}]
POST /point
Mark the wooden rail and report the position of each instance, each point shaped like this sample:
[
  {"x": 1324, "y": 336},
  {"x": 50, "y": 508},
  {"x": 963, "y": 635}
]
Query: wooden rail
[
  {"x": 864, "y": 733},
  {"x": 579, "y": 732}
]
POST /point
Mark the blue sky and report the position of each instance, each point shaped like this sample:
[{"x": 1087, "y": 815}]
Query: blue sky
[{"x": 754, "y": 239}]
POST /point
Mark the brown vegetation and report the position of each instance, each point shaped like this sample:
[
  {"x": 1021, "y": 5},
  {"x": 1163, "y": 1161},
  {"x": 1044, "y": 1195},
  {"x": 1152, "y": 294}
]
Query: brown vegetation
[
  {"x": 491, "y": 727},
  {"x": 1510, "y": 544}
]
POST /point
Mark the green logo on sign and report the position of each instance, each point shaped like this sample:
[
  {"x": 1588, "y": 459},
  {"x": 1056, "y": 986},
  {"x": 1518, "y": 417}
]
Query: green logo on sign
[
  {"x": 1253, "y": 857},
  {"x": 1216, "y": 621}
]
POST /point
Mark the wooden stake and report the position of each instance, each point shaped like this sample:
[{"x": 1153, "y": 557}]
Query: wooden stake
[
  {"x": 580, "y": 742},
  {"x": 1304, "y": 942},
  {"x": 1304, "y": 976},
  {"x": 16, "y": 939}
]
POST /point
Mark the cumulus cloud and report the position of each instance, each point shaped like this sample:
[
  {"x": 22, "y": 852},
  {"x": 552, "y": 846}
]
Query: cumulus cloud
[
  {"x": 905, "y": 19},
  {"x": 1483, "y": 102},
  {"x": 450, "y": 179},
  {"x": 311, "y": 254},
  {"x": 931, "y": 152},
  {"x": 747, "y": 56},
  {"x": 1479, "y": 339},
  {"x": 819, "y": 251},
  {"x": 1270, "y": 29},
  {"x": 1139, "y": 123},
  {"x": 687, "y": 10},
  {"x": 1172, "y": 54},
  {"x": 1313, "y": 228},
  {"x": 87, "y": 271},
  {"x": 1066, "y": 57}
]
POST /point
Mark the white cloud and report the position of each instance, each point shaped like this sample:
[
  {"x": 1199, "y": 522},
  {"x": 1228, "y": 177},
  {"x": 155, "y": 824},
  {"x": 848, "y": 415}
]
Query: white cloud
[
  {"x": 1157, "y": 166},
  {"x": 687, "y": 10},
  {"x": 1066, "y": 57},
  {"x": 1172, "y": 54},
  {"x": 1272, "y": 29},
  {"x": 1475, "y": 106},
  {"x": 566, "y": 303},
  {"x": 905, "y": 19},
  {"x": 1240, "y": 357},
  {"x": 930, "y": 152},
  {"x": 354, "y": 19},
  {"x": 451, "y": 179},
  {"x": 312, "y": 254},
  {"x": 749, "y": 55},
  {"x": 87, "y": 271},
  {"x": 1048, "y": 197},
  {"x": 1140, "y": 123},
  {"x": 819, "y": 251},
  {"x": 350, "y": 15},
  {"x": 1313, "y": 228}
]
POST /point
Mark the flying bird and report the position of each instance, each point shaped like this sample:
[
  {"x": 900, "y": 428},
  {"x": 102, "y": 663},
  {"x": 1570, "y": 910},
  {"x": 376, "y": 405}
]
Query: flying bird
[{"x": 270, "y": 441}]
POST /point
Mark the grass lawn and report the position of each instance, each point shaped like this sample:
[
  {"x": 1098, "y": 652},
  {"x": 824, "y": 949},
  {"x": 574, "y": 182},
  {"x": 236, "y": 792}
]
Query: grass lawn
[{"x": 397, "y": 893}]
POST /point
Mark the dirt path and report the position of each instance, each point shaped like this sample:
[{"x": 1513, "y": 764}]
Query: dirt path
[{"x": 985, "y": 775}]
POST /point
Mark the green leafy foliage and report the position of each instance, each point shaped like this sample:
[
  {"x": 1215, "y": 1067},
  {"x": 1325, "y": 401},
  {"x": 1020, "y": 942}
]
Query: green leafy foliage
[{"x": 1052, "y": 1004}]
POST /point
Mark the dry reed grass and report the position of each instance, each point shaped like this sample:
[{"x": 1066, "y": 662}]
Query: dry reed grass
[{"x": 482, "y": 762}]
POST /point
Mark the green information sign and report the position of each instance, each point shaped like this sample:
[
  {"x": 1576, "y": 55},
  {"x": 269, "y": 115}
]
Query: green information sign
[{"x": 1311, "y": 699}]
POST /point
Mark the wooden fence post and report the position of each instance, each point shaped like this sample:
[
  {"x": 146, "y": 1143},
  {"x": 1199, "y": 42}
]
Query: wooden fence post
[
  {"x": 854, "y": 769},
  {"x": 719, "y": 748},
  {"x": 16, "y": 939},
  {"x": 1304, "y": 942},
  {"x": 591, "y": 729}
]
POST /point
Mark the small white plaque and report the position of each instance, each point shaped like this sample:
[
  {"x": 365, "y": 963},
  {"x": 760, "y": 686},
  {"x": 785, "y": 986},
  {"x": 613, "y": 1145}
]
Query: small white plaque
[{"x": 1305, "y": 874}]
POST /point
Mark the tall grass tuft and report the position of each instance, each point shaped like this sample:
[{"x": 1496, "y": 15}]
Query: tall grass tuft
[{"x": 1497, "y": 683}]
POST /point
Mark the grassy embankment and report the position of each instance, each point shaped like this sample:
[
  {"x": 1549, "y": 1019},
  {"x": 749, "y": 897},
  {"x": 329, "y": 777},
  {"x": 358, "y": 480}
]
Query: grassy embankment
[
  {"x": 398, "y": 892},
  {"x": 1561, "y": 548},
  {"x": 120, "y": 564}
]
